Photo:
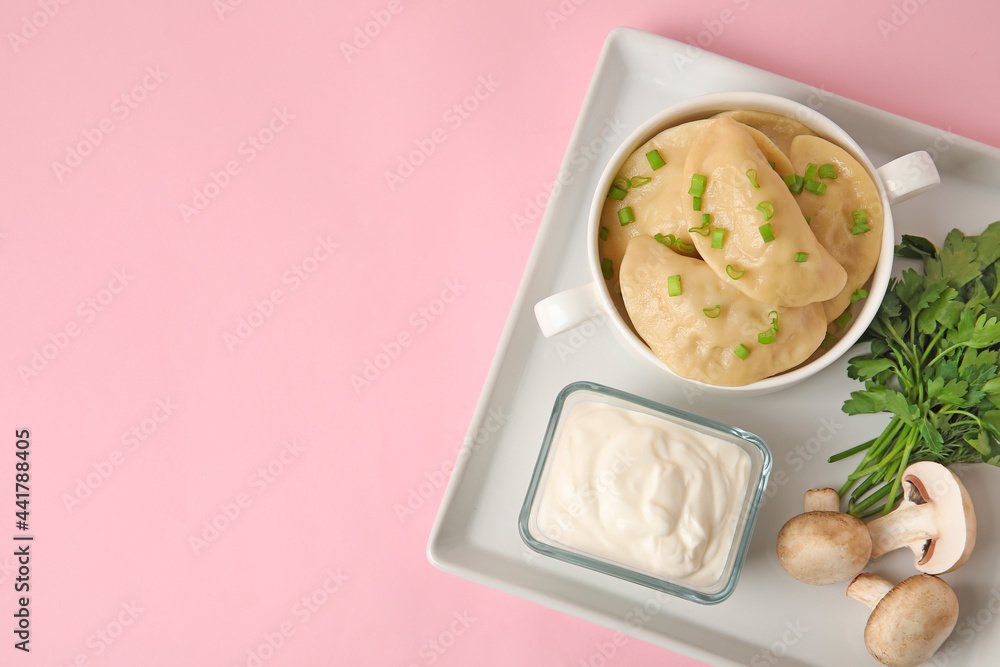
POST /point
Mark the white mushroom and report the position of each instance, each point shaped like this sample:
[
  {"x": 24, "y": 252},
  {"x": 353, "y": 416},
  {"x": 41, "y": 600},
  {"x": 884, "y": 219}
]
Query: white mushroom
[
  {"x": 910, "y": 621},
  {"x": 824, "y": 545},
  {"x": 935, "y": 520}
]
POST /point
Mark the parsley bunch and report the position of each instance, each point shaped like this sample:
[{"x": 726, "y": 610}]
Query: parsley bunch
[{"x": 935, "y": 344}]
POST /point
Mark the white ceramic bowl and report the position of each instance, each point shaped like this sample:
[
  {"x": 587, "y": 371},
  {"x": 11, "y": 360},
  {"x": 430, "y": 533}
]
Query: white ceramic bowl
[{"x": 900, "y": 179}]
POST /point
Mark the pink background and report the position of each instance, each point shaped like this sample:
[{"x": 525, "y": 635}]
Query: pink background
[{"x": 216, "y": 296}]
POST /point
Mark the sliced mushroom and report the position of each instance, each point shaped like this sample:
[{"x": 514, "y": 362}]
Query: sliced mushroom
[
  {"x": 824, "y": 545},
  {"x": 935, "y": 520},
  {"x": 910, "y": 621}
]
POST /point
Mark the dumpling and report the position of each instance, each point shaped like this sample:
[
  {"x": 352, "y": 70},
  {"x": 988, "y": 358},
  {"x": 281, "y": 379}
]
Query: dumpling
[
  {"x": 779, "y": 129},
  {"x": 697, "y": 332},
  {"x": 831, "y": 217},
  {"x": 768, "y": 251},
  {"x": 661, "y": 205}
]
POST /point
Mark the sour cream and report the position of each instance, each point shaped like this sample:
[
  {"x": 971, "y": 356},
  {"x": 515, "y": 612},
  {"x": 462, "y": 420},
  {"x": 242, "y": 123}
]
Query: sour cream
[{"x": 644, "y": 492}]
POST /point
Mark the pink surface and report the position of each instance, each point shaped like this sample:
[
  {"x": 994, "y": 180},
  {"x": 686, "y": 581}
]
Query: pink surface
[{"x": 199, "y": 249}]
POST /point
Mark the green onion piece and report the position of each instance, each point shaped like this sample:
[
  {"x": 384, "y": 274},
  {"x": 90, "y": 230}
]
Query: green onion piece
[
  {"x": 654, "y": 159},
  {"x": 697, "y": 185},
  {"x": 795, "y": 183},
  {"x": 712, "y": 312},
  {"x": 741, "y": 351},
  {"x": 810, "y": 172},
  {"x": 801, "y": 257},
  {"x": 704, "y": 230},
  {"x": 752, "y": 175},
  {"x": 858, "y": 295},
  {"x": 705, "y": 219},
  {"x": 685, "y": 248},
  {"x": 616, "y": 193},
  {"x": 816, "y": 187},
  {"x": 621, "y": 183},
  {"x": 639, "y": 181},
  {"x": 626, "y": 216},
  {"x": 674, "y": 286},
  {"x": 860, "y": 216},
  {"x": 774, "y": 320},
  {"x": 718, "y": 236},
  {"x": 603, "y": 233},
  {"x": 827, "y": 171},
  {"x": 766, "y": 208},
  {"x": 667, "y": 240},
  {"x": 808, "y": 221},
  {"x": 766, "y": 338},
  {"x": 829, "y": 341},
  {"x": 766, "y": 233},
  {"x": 844, "y": 318},
  {"x": 607, "y": 269},
  {"x": 697, "y": 203},
  {"x": 771, "y": 163},
  {"x": 859, "y": 229},
  {"x": 733, "y": 273}
]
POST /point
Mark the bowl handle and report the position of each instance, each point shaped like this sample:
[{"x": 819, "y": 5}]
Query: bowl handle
[
  {"x": 567, "y": 309},
  {"x": 908, "y": 176}
]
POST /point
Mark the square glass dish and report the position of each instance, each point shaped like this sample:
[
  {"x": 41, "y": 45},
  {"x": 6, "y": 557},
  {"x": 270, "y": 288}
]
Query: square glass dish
[{"x": 645, "y": 492}]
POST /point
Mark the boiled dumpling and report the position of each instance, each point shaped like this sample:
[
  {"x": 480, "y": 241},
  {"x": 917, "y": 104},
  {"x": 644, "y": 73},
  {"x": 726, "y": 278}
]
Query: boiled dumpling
[
  {"x": 696, "y": 333},
  {"x": 779, "y": 129},
  {"x": 764, "y": 232},
  {"x": 830, "y": 214}
]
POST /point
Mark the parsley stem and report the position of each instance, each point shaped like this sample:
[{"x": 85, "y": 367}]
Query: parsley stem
[
  {"x": 903, "y": 462},
  {"x": 858, "y": 508},
  {"x": 851, "y": 452}
]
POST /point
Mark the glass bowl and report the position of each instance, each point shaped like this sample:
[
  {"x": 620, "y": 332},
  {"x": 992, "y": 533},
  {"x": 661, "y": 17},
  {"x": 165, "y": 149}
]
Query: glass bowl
[{"x": 674, "y": 512}]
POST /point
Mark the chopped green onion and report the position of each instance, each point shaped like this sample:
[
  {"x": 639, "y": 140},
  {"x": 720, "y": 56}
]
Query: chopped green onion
[
  {"x": 766, "y": 208},
  {"x": 667, "y": 240},
  {"x": 705, "y": 219},
  {"x": 712, "y": 312},
  {"x": 752, "y": 175},
  {"x": 810, "y": 172},
  {"x": 801, "y": 257},
  {"x": 697, "y": 203},
  {"x": 733, "y": 273},
  {"x": 766, "y": 233},
  {"x": 697, "y": 185},
  {"x": 827, "y": 171},
  {"x": 626, "y": 216},
  {"x": 718, "y": 236},
  {"x": 741, "y": 351},
  {"x": 616, "y": 193},
  {"x": 766, "y": 338},
  {"x": 674, "y": 286},
  {"x": 808, "y": 221},
  {"x": 607, "y": 269},
  {"x": 685, "y": 248},
  {"x": 860, "y": 216},
  {"x": 816, "y": 187},
  {"x": 642, "y": 180},
  {"x": 654, "y": 159},
  {"x": 704, "y": 230},
  {"x": 844, "y": 318},
  {"x": 794, "y": 183},
  {"x": 858, "y": 295},
  {"x": 829, "y": 341},
  {"x": 603, "y": 233},
  {"x": 771, "y": 163},
  {"x": 774, "y": 320},
  {"x": 859, "y": 229},
  {"x": 621, "y": 183}
]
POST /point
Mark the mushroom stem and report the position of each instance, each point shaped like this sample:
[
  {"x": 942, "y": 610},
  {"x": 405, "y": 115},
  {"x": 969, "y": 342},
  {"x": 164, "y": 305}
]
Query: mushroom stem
[
  {"x": 868, "y": 588},
  {"x": 822, "y": 500},
  {"x": 903, "y": 527}
]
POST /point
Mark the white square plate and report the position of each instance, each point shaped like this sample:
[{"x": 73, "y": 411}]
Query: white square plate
[{"x": 770, "y": 617}]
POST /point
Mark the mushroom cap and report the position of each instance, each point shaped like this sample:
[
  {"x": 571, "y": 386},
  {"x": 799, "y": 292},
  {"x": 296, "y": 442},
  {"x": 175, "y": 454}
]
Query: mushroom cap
[
  {"x": 928, "y": 482},
  {"x": 912, "y": 621},
  {"x": 821, "y": 548}
]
